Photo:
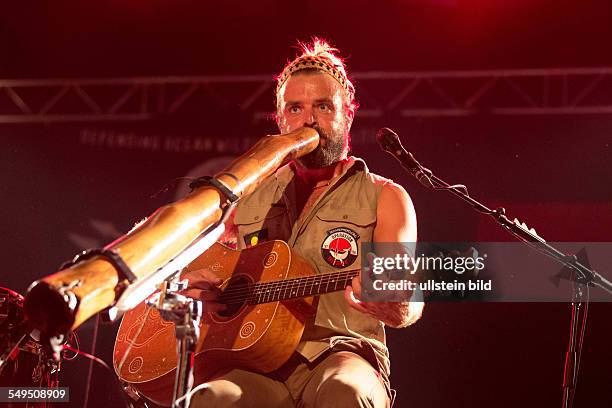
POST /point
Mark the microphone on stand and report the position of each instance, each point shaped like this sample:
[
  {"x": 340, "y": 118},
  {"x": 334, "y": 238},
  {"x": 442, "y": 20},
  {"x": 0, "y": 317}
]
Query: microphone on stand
[{"x": 389, "y": 141}]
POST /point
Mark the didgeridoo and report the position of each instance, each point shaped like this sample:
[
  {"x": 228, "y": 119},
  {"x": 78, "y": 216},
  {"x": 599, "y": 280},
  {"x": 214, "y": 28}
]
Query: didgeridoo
[{"x": 64, "y": 300}]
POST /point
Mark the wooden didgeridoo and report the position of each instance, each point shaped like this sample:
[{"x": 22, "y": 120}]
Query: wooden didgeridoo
[{"x": 64, "y": 300}]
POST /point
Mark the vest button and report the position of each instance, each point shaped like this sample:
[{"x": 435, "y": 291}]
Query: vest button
[
  {"x": 256, "y": 217},
  {"x": 345, "y": 216}
]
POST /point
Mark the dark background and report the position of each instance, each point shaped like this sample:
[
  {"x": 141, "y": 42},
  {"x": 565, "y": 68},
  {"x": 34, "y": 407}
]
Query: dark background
[{"x": 61, "y": 192}]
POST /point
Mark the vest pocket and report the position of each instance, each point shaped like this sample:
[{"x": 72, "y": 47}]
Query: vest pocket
[
  {"x": 361, "y": 217},
  {"x": 260, "y": 224},
  {"x": 253, "y": 215}
]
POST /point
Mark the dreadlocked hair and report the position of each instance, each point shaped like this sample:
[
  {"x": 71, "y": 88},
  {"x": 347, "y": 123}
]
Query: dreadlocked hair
[{"x": 320, "y": 56}]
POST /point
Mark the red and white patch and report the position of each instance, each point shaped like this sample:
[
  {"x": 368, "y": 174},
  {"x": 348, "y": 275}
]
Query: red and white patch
[{"x": 339, "y": 248}]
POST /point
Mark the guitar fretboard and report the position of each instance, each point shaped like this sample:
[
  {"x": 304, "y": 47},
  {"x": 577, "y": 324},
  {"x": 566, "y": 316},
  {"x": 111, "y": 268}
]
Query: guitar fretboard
[{"x": 273, "y": 291}]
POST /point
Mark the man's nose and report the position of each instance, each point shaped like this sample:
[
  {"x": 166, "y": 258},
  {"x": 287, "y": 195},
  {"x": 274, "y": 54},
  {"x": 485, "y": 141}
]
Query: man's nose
[{"x": 310, "y": 118}]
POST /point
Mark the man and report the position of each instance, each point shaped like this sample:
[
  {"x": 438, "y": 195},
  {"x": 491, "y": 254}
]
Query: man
[{"x": 324, "y": 205}]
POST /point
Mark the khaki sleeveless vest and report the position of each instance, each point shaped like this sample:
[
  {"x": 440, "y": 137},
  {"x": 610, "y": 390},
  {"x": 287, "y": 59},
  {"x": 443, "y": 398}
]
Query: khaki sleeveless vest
[{"x": 330, "y": 238}]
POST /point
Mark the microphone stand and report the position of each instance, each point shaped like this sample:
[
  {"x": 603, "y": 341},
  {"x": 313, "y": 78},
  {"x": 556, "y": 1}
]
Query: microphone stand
[{"x": 582, "y": 276}]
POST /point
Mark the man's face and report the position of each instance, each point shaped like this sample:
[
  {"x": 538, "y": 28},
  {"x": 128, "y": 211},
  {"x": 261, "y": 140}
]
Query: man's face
[{"x": 316, "y": 99}]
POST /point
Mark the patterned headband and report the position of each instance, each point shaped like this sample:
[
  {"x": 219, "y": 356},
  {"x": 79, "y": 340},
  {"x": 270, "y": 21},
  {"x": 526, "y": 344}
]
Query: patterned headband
[{"x": 310, "y": 62}]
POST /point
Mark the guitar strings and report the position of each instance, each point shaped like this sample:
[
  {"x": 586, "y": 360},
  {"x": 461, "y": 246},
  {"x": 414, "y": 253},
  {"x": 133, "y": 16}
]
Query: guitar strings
[
  {"x": 261, "y": 287},
  {"x": 260, "y": 296},
  {"x": 300, "y": 280},
  {"x": 241, "y": 293},
  {"x": 297, "y": 283},
  {"x": 294, "y": 291}
]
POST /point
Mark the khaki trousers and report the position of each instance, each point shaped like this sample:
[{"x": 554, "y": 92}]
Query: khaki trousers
[{"x": 338, "y": 379}]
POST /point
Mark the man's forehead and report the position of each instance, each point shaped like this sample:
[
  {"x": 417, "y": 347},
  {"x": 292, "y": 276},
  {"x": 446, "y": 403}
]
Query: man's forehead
[{"x": 311, "y": 85}]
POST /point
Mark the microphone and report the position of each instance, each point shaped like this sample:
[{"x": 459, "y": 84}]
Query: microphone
[{"x": 389, "y": 141}]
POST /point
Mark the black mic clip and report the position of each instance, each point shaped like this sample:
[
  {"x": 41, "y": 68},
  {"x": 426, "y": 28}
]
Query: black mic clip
[{"x": 389, "y": 141}]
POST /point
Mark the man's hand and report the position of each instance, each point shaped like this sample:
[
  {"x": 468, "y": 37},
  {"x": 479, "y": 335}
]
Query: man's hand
[
  {"x": 393, "y": 314},
  {"x": 204, "y": 286}
]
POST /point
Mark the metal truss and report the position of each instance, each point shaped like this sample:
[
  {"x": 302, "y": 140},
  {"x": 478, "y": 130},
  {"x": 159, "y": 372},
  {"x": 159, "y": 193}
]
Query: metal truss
[{"x": 560, "y": 91}]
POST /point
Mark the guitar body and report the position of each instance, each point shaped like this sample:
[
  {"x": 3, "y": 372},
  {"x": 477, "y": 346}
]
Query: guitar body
[{"x": 257, "y": 337}]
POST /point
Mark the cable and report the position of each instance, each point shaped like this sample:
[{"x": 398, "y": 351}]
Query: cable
[
  {"x": 74, "y": 336},
  {"x": 103, "y": 364},
  {"x": 581, "y": 342},
  {"x": 171, "y": 184},
  {"x": 94, "y": 343}
]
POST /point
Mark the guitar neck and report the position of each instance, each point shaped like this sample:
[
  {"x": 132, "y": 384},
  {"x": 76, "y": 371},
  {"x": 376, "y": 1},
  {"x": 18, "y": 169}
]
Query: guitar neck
[{"x": 273, "y": 291}]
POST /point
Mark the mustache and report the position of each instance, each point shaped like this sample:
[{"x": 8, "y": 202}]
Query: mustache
[{"x": 321, "y": 132}]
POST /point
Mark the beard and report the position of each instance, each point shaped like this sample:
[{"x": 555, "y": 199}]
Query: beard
[{"x": 326, "y": 156}]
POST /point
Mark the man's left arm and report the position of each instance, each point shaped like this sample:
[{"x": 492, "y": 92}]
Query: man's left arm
[{"x": 396, "y": 222}]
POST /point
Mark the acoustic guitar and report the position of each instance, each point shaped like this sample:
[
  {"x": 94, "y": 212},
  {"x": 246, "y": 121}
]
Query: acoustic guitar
[{"x": 268, "y": 291}]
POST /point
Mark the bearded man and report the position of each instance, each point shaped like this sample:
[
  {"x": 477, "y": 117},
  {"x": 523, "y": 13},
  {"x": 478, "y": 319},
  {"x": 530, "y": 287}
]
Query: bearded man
[{"x": 324, "y": 205}]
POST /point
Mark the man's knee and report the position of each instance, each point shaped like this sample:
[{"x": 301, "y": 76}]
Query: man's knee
[
  {"x": 217, "y": 393},
  {"x": 347, "y": 391},
  {"x": 239, "y": 389}
]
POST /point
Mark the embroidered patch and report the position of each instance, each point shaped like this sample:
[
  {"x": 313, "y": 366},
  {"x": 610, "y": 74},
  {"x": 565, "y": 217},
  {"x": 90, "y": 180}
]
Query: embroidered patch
[
  {"x": 256, "y": 237},
  {"x": 339, "y": 248}
]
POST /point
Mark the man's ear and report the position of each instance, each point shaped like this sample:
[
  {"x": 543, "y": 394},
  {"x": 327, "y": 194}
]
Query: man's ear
[{"x": 350, "y": 114}]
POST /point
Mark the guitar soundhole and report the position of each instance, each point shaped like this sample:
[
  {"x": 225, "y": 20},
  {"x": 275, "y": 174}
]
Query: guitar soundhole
[{"x": 235, "y": 295}]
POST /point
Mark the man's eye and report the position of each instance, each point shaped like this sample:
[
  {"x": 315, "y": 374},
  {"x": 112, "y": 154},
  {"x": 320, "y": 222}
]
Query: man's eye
[
  {"x": 294, "y": 109},
  {"x": 324, "y": 107}
]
